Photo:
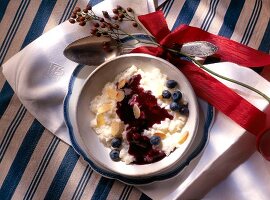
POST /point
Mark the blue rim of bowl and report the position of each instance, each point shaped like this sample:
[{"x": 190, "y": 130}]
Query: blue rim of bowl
[{"x": 141, "y": 181}]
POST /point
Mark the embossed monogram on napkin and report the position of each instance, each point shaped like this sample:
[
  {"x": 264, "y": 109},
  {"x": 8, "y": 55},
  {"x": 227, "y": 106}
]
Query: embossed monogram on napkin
[{"x": 55, "y": 71}]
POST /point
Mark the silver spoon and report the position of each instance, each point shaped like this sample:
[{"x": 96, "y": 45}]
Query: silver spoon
[{"x": 89, "y": 50}]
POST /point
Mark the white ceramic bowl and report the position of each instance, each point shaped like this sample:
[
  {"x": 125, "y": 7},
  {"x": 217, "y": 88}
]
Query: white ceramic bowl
[{"x": 107, "y": 72}]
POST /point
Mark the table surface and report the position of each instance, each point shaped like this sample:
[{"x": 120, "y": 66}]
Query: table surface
[{"x": 36, "y": 164}]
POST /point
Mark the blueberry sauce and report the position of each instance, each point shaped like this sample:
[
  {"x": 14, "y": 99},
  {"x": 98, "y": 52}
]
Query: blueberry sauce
[{"x": 150, "y": 113}]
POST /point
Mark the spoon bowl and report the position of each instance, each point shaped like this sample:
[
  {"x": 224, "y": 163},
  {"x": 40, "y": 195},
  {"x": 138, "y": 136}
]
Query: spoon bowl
[{"x": 89, "y": 51}]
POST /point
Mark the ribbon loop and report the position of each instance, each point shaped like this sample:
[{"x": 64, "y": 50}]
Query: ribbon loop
[{"x": 156, "y": 24}]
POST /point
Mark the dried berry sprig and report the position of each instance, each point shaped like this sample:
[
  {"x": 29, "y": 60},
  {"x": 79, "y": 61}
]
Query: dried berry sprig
[{"x": 109, "y": 26}]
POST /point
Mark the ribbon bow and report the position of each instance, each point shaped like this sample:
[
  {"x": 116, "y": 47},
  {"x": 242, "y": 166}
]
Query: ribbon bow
[{"x": 205, "y": 86}]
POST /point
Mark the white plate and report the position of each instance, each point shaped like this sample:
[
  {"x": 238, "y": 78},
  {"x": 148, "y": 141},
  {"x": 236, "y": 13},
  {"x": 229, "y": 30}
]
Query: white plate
[
  {"x": 93, "y": 87},
  {"x": 197, "y": 147}
]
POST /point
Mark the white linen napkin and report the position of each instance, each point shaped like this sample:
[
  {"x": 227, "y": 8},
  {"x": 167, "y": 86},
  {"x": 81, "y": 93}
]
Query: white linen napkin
[{"x": 39, "y": 75}]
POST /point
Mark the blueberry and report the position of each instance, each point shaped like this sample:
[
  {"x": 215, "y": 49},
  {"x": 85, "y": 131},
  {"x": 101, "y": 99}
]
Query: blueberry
[
  {"x": 114, "y": 154},
  {"x": 166, "y": 94},
  {"x": 174, "y": 106},
  {"x": 116, "y": 142},
  {"x": 176, "y": 96},
  {"x": 171, "y": 83},
  {"x": 184, "y": 110},
  {"x": 155, "y": 140}
]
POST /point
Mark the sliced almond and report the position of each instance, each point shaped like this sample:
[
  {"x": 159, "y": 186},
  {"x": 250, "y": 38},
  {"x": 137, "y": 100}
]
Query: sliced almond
[
  {"x": 161, "y": 135},
  {"x": 120, "y": 95},
  {"x": 111, "y": 93},
  {"x": 160, "y": 97},
  {"x": 136, "y": 111},
  {"x": 121, "y": 84},
  {"x": 159, "y": 90},
  {"x": 116, "y": 128},
  {"x": 183, "y": 137},
  {"x": 104, "y": 108},
  {"x": 100, "y": 120}
]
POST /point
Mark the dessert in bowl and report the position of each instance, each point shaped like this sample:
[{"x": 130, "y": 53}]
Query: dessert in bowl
[{"x": 137, "y": 115}]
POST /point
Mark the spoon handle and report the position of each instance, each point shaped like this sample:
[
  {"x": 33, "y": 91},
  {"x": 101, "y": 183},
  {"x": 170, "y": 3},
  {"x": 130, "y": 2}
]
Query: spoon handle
[{"x": 194, "y": 49}]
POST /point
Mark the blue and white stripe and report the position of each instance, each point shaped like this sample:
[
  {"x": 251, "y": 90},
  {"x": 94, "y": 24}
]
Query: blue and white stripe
[
  {"x": 82, "y": 183},
  {"x": 210, "y": 15},
  {"x": 252, "y": 22},
  {"x": 13, "y": 29},
  {"x": 11, "y": 131},
  {"x": 21, "y": 160},
  {"x": 184, "y": 11},
  {"x": 41, "y": 168},
  {"x": 167, "y": 7}
]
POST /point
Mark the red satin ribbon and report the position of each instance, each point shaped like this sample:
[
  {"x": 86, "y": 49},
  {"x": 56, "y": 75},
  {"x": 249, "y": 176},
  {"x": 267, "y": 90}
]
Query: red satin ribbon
[{"x": 205, "y": 86}]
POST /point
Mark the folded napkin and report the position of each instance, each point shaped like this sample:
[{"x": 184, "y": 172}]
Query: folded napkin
[{"x": 39, "y": 75}]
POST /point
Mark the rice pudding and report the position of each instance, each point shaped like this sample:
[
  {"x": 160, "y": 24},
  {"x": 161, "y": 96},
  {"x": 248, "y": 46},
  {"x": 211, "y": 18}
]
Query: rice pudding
[{"x": 140, "y": 116}]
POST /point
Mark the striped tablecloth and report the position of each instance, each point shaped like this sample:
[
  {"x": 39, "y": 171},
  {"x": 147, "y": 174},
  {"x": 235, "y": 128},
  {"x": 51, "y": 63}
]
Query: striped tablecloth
[{"x": 36, "y": 164}]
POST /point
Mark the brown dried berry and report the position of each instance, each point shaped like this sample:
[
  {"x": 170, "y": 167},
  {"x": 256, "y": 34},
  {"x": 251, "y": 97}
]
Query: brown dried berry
[
  {"x": 82, "y": 23},
  {"x": 102, "y": 25},
  {"x": 118, "y": 7},
  {"x": 85, "y": 10},
  {"x": 120, "y": 19},
  {"x": 73, "y": 15},
  {"x": 96, "y": 25},
  {"x": 116, "y": 26},
  {"x": 72, "y": 21},
  {"x": 93, "y": 31},
  {"x": 78, "y": 19},
  {"x": 129, "y": 9},
  {"x": 105, "y": 14},
  {"x": 121, "y": 15},
  {"x": 77, "y": 9},
  {"x": 109, "y": 25},
  {"x": 101, "y": 19},
  {"x": 115, "y": 11},
  {"x": 98, "y": 34},
  {"x": 134, "y": 24},
  {"x": 89, "y": 7},
  {"x": 115, "y": 17},
  {"x": 82, "y": 19}
]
